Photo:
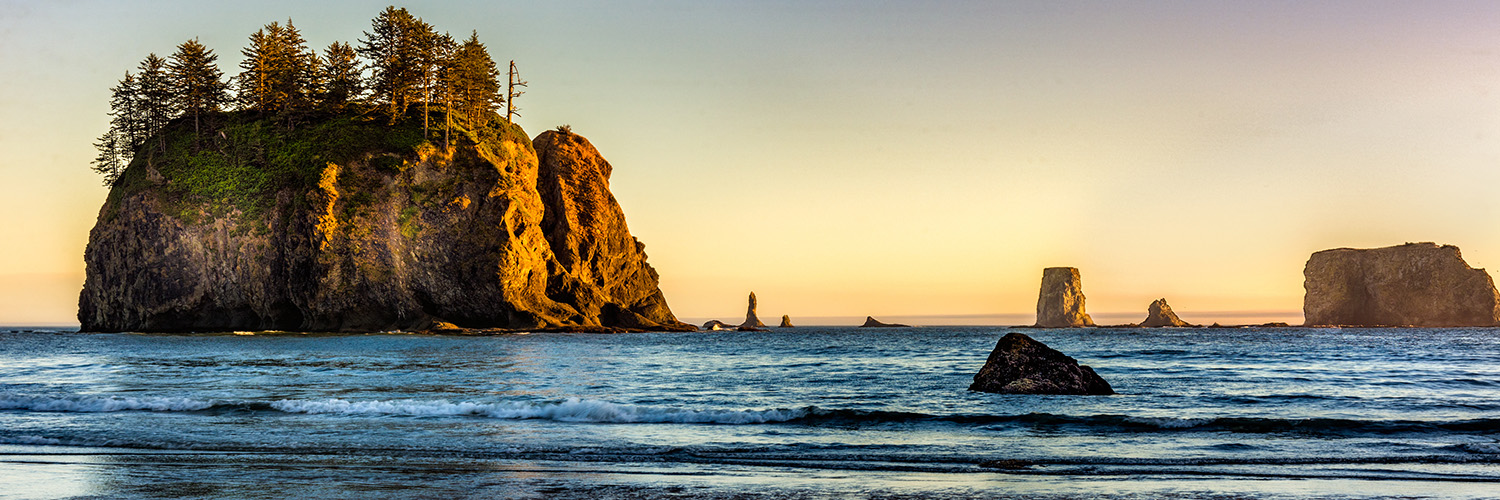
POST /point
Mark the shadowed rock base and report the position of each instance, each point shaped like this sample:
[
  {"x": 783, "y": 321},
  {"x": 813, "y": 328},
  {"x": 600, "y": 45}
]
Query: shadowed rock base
[{"x": 1021, "y": 365}]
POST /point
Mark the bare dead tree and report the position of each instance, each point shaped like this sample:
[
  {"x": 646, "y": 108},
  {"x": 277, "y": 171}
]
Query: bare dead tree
[{"x": 511, "y": 93}]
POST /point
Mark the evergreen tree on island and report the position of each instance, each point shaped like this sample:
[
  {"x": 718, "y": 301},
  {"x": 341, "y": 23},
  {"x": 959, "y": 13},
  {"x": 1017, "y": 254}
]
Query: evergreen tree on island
[{"x": 197, "y": 84}]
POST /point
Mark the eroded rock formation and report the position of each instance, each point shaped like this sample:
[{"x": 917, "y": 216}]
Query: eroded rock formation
[
  {"x": 751, "y": 320},
  {"x": 871, "y": 322},
  {"x": 377, "y": 234},
  {"x": 1160, "y": 314},
  {"x": 1021, "y": 365},
  {"x": 786, "y": 322},
  {"x": 1416, "y": 284},
  {"x": 714, "y": 325},
  {"x": 1060, "y": 303}
]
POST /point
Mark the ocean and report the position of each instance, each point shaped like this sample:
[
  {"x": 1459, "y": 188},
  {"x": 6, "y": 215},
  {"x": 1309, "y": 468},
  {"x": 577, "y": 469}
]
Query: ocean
[{"x": 809, "y": 412}]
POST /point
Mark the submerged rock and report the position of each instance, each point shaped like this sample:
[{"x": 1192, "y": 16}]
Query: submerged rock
[
  {"x": 751, "y": 320},
  {"x": 1021, "y": 365},
  {"x": 1416, "y": 284},
  {"x": 786, "y": 322},
  {"x": 384, "y": 233},
  {"x": 1060, "y": 303},
  {"x": 871, "y": 322},
  {"x": 1160, "y": 314}
]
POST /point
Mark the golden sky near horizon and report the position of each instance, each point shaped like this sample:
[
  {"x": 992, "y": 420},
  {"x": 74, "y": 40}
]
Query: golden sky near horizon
[{"x": 893, "y": 158}]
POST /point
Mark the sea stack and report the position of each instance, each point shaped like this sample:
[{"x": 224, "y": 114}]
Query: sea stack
[
  {"x": 317, "y": 232},
  {"x": 1060, "y": 303},
  {"x": 714, "y": 325},
  {"x": 871, "y": 322},
  {"x": 751, "y": 320},
  {"x": 1021, "y": 365},
  {"x": 1160, "y": 314},
  {"x": 1416, "y": 284},
  {"x": 786, "y": 322}
]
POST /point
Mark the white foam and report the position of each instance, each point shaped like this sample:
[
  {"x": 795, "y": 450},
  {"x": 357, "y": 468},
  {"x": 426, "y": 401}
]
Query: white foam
[
  {"x": 78, "y": 403},
  {"x": 1170, "y": 422},
  {"x": 571, "y": 410}
]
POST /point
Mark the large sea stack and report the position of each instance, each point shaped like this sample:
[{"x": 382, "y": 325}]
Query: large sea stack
[
  {"x": 350, "y": 224},
  {"x": 1060, "y": 303},
  {"x": 1416, "y": 284},
  {"x": 1021, "y": 365}
]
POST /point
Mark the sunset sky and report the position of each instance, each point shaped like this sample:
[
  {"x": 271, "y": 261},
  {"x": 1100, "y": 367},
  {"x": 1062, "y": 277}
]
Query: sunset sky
[{"x": 908, "y": 160}]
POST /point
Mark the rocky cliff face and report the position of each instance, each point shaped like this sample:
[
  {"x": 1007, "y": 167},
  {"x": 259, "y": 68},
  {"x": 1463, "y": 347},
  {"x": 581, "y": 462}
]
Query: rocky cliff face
[
  {"x": 1417, "y": 284},
  {"x": 1060, "y": 303},
  {"x": 1160, "y": 314},
  {"x": 367, "y": 236}
]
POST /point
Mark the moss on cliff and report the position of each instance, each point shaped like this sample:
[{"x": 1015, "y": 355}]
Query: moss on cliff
[{"x": 239, "y": 161}]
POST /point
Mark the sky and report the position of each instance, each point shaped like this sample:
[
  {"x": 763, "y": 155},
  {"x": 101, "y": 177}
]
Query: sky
[{"x": 919, "y": 161}]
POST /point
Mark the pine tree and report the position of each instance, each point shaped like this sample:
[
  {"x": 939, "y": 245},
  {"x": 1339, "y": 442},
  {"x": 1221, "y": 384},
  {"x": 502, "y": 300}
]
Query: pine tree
[
  {"x": 278, "y": 70},
  {"x": 341, "y": 77},
  {"x": 475, "y": 80},
  {"x": 197, "y": 84},
  {"x": 393, "y": 51},
  {"x": 110, "y": 161},
  {"x": 155, "y": 105},
  {"x": 127, "y": 130}
]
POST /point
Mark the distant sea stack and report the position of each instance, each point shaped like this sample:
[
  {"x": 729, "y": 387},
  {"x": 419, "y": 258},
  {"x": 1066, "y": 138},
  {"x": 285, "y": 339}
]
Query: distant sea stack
[
  {"x": 871, "y": 322},
  {"x": 1060, "y": 304},
  {"x": 786, "y": 322},
  {"x": 1021, "y": 365},
  {"x": 751, "y": 320},
  {"x": 1160, "y": 314},
  {"x": 350, "y": 224},
  {"x": 1416, "y": 284}
]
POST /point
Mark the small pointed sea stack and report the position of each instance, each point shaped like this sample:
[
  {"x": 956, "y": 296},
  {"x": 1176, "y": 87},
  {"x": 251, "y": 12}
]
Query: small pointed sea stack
[
  {"x": 1160, "y": 314},
  {"x": 752, "y": 321},
  {"x": 1021, "y": 365},
  {"x": 1060, "y": 303},
  {"x": 871, "y": 322},
  {"x": 786, "y": 322}
]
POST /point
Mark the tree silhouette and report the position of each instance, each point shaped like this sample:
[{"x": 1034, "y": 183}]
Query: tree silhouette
[
  {"x": 197, "y": 83},
  {"x": 340, "y": 75},
  {"x": 475, "y": 80},
  {"x": 511, "y": 93},
  {"x": 393, "y": 48},
  {"x": 155, "y": 105}
]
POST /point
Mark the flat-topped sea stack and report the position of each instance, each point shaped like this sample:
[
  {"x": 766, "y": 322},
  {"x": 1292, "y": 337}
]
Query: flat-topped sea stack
[
  {"x": 1060, "y": 303},
  {"x": 871, "y": 322},
  {"x": 1021, "y": 365},
  {"x": 1416, "y": 284},
  {"x": 1159, "y": 314},
  {"x": 347, "y": 223},
  {"x": 751, "y": 320}
]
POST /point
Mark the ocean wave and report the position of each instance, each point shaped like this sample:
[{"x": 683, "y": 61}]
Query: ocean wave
[
  {"x": 93, "y": 404},
  {"x": 570, "y": 410}
]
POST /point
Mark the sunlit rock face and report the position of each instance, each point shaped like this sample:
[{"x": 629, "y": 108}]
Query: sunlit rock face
[
  {"x": 786, "y": 322},
  {"x": 751, "y": 320},
  {"x": 1021, "y": 365},
  {"x": 1060, "y": 303},
  {"x": 372, "y": 237},
  {"x": 1416, "y": 284},
  {"x": 1160, "y": 314}
]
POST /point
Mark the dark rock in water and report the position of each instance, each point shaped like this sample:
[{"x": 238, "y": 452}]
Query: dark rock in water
[
  {"x": 716, "y": 325},
  {"x": 1416, "y": 284},
  {"x": 786, "y": 322},
  {"x": 382, "y": 233},
  {"x": 871, "y": 322},
  {"x": 750, "y": 329},
  {"x": 1274, "y": 324},
  {"x": 751, "y": 320},
  {"x": 1060, "y": 303},
  {"x": 1160, "y": 314},
  {"x": 1021, "y": 365}
]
